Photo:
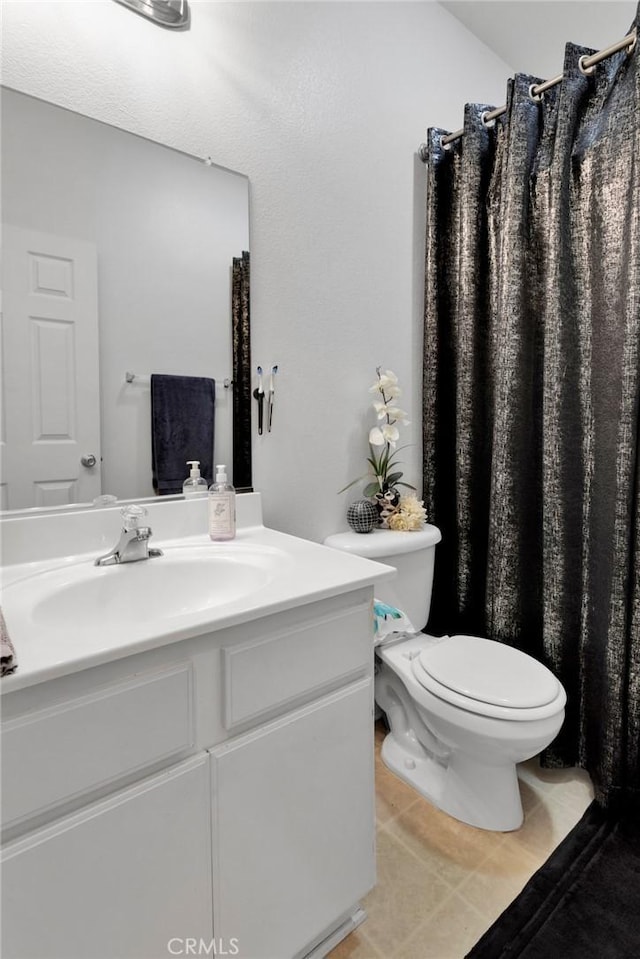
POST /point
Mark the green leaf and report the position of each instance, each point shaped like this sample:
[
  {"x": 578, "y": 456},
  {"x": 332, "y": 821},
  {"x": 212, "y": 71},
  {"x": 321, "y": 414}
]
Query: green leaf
[
  {"x": 408, "y": 485},
  {"x": 393, "y": 478},
  {"x": 371, "y": 489},
  {"x": 352, "y": 483}
]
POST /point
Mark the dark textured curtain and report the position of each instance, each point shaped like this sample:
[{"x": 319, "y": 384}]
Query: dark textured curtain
[
  {"x": 532, "y": 395},
  {"x": 241, "y": 335}
]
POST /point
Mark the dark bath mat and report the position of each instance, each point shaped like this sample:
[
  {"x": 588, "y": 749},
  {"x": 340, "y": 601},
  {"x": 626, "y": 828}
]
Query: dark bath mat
[{"x": 583, "y": 902}]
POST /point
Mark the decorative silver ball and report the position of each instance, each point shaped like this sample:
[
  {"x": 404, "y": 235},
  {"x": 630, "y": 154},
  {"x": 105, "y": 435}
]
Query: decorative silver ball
[{"x": 362, "y": 516}]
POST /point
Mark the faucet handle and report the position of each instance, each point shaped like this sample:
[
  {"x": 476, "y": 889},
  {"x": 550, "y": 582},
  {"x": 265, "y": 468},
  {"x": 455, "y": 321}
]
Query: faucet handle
[{"x": 131, "y": 516}]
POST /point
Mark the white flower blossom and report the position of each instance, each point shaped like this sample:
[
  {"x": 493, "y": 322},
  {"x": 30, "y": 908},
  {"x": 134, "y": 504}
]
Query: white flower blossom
[
  {"x": 410, "y": 514},
  {"x": 390, "y": 392},
  {"x": 386, "y": 382},
  {"x": 387, "y": 434},
  {"x": 397, "y": 414},
  {"x": 394, "y": 412}
]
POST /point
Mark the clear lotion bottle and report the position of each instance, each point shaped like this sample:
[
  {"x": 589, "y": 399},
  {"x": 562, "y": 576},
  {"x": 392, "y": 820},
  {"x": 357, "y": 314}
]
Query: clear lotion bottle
[
  {"x": 194, "y": 485},
  {"x": 222, "y": 507}
]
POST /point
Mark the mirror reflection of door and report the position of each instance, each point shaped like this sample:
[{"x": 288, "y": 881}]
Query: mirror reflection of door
[{"x": 50, "y": 382}]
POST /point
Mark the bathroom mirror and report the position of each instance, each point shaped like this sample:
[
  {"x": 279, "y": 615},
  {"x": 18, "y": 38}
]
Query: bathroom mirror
[{"x": 120, "y": 260}]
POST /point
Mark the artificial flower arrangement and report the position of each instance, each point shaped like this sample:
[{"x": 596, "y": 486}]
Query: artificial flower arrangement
[
  {"x": 410, "y": 514},
  {"x": 399, "y": 512}
]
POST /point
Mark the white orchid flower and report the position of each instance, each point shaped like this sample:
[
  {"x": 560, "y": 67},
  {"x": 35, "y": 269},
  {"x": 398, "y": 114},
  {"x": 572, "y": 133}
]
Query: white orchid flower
[
  {"x": 384, "y": 473},
  {"x": 386, "y": 381},
  {"x": 388, "y": 434},
  {"x": 396, "y": 414},
  {"x": 390, "y": 392}
]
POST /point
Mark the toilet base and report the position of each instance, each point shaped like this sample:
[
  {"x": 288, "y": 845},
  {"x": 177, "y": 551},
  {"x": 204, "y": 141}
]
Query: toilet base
[{"x": 487, "y": 797}]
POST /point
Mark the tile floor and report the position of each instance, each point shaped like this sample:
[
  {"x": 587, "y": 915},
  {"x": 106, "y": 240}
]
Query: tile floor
[{"x": 441, "y": 883}]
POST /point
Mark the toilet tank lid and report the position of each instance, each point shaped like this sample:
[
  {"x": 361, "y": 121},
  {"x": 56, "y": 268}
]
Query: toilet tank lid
[{"x": 385, "y": 542}]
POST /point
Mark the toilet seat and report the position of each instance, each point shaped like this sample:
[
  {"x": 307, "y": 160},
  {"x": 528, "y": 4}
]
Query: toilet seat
[{"x": 487, "y": 678}]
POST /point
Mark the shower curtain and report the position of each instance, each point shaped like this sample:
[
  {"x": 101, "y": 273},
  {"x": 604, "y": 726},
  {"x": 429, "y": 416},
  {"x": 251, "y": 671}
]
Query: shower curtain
[
  {"x": 532, "y": 395},
  {"x": 241, "y": 336}
]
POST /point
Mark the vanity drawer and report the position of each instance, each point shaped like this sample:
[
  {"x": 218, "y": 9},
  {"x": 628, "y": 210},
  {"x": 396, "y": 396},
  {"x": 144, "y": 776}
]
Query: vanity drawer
[
  {"x": 85, "y": 742},
  {"x": 277, "y": 668}
]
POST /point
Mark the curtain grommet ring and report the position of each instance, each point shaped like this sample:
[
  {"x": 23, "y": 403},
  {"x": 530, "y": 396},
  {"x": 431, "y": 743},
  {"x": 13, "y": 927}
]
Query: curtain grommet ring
[
  {"x": 489, "y": 124},
  {"x": 634, "y": 43},
  {"x": 586, "y": 71},
  {"x": 536, "y": 97}
]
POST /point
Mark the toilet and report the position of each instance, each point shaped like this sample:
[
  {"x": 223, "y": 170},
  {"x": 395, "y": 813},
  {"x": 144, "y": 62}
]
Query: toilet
[{"x": 462, "y": 711}]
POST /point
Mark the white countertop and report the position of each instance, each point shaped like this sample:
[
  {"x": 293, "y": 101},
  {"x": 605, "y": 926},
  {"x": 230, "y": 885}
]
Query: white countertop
[{"x": 305, "y": 572}]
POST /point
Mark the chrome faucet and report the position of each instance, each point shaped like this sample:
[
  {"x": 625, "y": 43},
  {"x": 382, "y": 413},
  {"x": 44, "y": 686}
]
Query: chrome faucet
[{"x": 133, "y": 544}]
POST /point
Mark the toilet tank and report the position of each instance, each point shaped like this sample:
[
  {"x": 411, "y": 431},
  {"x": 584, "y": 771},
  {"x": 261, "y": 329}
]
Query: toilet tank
[{"x": 413, "y": 555}]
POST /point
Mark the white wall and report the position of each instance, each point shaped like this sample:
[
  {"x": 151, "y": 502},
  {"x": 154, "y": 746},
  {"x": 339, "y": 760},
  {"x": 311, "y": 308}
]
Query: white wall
[
  {"x": 323, "y": 106},
  {"x": 531, "y": 35}
]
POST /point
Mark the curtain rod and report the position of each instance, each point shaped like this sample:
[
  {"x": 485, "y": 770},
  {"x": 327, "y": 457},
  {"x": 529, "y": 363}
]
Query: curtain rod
[{"x": 587, "y": 66}]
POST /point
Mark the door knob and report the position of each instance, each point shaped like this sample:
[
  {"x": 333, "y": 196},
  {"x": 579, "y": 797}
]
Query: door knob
[{"x": 89, "y": 460}]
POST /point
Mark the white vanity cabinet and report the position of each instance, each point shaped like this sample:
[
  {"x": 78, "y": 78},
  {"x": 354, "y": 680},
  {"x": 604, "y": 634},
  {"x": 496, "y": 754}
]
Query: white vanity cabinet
[
  {"x": 116, "y": 880},
  {"x": 218, "y": 790},
  {"x": 293, "y": 789},
  {"x": 293, "y": 812}
]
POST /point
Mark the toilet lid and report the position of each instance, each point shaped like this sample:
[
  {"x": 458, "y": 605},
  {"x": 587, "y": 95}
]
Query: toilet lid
[{"x": 489, "y": 672}]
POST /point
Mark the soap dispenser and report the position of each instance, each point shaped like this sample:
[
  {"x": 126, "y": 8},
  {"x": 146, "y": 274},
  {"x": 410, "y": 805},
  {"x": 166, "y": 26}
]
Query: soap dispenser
[
  {"x": 194, "y": 485},
  {"x": 222, "y": 507}
]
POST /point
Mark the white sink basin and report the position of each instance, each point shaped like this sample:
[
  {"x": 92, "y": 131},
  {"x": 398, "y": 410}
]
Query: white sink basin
[{"x": 184, "y": 581}]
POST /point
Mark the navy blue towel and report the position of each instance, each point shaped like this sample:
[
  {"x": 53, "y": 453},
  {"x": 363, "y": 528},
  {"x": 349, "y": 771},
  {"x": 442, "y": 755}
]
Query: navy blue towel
[{"x": 182, "y": 428}]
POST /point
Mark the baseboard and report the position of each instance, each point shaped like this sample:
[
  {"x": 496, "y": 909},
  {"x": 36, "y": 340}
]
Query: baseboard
[{"x": 347, "y": 926}]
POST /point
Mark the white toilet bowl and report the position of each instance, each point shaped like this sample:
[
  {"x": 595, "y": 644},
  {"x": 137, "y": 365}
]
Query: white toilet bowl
[{"x": 462, "y": 712}]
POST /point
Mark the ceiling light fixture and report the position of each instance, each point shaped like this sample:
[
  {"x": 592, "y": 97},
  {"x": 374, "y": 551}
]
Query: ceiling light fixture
[{"x": 167, "y": 13}]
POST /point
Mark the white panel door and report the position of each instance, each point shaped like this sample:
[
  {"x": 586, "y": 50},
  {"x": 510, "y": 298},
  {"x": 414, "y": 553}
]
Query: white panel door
[
  {"x": 294, "y": 825},
  {"x": 118, "y": 880},
  {"x": 51, "y": 390}
]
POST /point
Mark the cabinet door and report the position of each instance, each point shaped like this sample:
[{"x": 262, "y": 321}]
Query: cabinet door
[
  {"x": 120, "y": 879},
  {"x": 293, "y": 837}
]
